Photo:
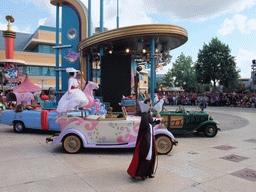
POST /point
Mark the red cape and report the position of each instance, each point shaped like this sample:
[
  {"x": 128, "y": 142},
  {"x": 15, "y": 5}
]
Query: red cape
[{"x": 135, "y": 161}]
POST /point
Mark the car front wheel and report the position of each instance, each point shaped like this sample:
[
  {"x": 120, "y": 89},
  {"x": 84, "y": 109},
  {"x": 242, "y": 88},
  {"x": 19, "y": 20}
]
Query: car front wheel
[
  {"x": 163, "y": 144},
  {"x": 72, "y": 144},
  {"x": 210, "y": 130},
  {"x": 18, "y": 127}
]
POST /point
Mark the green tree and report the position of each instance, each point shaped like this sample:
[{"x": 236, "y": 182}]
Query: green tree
[
  {"x": 184, "y": 72},
  {"x": 168, "y": 80},
  {"x": 215, "y": 64}
]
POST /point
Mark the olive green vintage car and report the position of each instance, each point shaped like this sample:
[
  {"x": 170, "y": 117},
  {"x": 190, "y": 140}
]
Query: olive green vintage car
[{"x": 186, "y": 122}]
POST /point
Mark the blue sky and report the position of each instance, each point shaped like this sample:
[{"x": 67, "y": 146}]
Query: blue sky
[{"x": 233, "y": 22}]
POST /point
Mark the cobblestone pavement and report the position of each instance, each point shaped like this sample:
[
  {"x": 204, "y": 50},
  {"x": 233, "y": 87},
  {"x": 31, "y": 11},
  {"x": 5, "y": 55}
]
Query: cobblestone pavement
[{"x": 224, "y": 163}]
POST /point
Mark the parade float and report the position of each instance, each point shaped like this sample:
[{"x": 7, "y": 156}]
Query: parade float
[
  {"x": 29, "y": 114},
  {"x": 97, "y": 131},
  {"x": 118, "y": 52},
  {"x": 182, "y": 122}
]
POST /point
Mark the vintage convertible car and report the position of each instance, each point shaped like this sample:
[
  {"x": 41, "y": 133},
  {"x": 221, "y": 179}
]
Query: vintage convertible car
[
  {"x": 27, "y": 117},
  {"x": 181, "y": 121},
  {"x": 99, "y": 132},
  {"x": 42, "y": 119}
]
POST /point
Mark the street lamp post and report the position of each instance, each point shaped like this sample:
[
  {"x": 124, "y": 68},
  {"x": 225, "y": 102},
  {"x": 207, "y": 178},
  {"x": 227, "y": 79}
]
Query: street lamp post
[
  {"x": 42, "y": 84},
  {"x": 253, "y": 73},
  {"x": 42, "y": 80},
  {"x": 174, "y": 78},
  {"x": 184, "y": 83},
  {"x": 251, "y": 84}
]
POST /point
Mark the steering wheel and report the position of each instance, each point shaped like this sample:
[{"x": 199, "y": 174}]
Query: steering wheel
[
  {"x": 180, "y": 110},
  {"x": 124, "y": 112},
  {"x": 183, "y": 109}
]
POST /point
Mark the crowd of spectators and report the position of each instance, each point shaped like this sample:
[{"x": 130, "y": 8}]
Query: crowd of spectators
[{"x": 214, "y": 98}]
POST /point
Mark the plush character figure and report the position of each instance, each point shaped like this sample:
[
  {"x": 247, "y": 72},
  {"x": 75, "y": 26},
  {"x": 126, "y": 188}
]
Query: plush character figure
[{"x": 109, "y": 113}]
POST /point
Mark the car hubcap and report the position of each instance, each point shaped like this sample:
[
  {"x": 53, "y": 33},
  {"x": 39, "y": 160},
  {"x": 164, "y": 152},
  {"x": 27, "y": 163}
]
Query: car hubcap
[
  {"x": 210, "y": 130},
  {"x": 18, "y": 127},
  {"x": 72, "y": 144},
  {"x": 163, "y": 145}
]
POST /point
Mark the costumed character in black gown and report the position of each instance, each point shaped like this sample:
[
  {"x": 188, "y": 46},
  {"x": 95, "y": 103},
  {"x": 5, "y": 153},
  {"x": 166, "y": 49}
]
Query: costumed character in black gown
[{"x": 144, "y": 158}]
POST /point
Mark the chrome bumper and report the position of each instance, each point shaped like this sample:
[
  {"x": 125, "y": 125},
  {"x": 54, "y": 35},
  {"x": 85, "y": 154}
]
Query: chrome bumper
[{"x": 175, "y": 142}]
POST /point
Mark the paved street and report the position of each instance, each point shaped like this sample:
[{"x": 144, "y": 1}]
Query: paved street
[{"x": 226, "y": 162}]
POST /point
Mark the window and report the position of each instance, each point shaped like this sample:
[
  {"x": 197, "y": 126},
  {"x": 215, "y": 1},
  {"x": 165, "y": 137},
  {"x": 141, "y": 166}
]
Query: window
[
  {"x": 52, "y": 72},
  {"x": 33, "y": 71},
  {"x": 46, "y": 71},
  {"x": 52, "y": 50},
  {"x": 39, "y": 71},
  {"x": 24, "y": 70},
  {"x": 35, "y": 49}
]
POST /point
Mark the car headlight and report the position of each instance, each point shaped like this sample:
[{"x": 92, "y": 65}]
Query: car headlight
[{"x": 211, "y": 117}]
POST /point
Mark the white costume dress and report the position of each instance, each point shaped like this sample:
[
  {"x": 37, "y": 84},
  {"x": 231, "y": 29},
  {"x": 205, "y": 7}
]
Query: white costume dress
[{"x": 76, "y": 99}]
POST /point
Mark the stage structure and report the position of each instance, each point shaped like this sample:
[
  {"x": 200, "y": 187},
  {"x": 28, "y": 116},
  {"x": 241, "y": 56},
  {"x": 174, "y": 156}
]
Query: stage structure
[{"x": 118, "y": 51}]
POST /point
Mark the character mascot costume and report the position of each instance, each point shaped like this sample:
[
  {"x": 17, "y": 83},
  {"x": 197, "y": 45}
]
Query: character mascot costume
[{"x": 144, "y": 158}]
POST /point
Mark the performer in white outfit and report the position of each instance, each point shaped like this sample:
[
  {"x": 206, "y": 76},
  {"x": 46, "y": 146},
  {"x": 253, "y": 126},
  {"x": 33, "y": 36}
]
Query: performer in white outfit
[{"x": 74, "y": 97}]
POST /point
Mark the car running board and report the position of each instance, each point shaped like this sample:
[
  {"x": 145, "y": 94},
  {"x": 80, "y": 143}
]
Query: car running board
[{"x": 111, "y": 144}]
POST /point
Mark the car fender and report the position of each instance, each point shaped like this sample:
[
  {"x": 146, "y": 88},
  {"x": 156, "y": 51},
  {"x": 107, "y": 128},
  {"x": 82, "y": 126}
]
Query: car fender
[
  {"x": 75, "y": 131},
  {"x": 7, "y": 117},
  {"x": 207, "y": 122},
  {"x": 164, "y": 132}
]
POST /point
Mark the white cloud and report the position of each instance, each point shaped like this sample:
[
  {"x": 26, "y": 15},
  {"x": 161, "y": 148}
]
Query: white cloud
[
  {"x": 42, "y": 21},
  {"x": 195, "y": 10},
  {"x": 45, "y": 4},
  {"x": 244, "y": 62},
  {"x": 227, "y": 27},
  {"x": 242, "y": 5},
  {"x": 47, "y": 22},
  {"x": 239, "y": 22},
  {"x": 134, "y": 12},
  {"x": 130, "y": 13},
  {"x": 26, "y": 30},
  {"x": 3, "y": 26}
]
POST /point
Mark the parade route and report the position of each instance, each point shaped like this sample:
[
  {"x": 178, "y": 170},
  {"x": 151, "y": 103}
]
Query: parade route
[{"x": 226, "y": 162}]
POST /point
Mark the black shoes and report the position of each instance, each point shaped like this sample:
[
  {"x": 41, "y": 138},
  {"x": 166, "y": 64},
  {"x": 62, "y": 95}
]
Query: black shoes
[{"x": 149, "y": 176}]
